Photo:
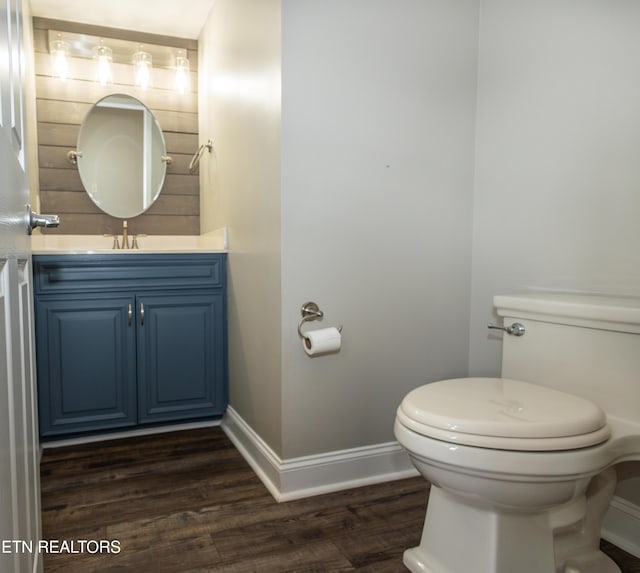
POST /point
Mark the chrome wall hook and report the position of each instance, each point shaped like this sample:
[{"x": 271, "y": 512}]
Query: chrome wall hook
[
  {"x": 195, "y": 160},
  {"x": 310, "y": 311}
]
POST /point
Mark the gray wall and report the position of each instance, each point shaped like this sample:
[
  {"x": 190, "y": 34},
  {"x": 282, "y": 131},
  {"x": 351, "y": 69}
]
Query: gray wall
[
  {"x": 363, "y": 203},
  {"x": 557, "y": 188},
  {"x": 61, "y": 108},
  {"x": 377, "y": 180},
  {"x": 240, "y": 60}
]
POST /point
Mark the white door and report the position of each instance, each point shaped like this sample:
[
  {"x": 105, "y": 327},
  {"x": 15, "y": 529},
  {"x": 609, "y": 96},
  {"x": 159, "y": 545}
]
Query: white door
[{"x": 19, "y": 467}]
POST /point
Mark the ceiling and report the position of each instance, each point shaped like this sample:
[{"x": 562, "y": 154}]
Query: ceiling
[{"x": 177, "y": 18}]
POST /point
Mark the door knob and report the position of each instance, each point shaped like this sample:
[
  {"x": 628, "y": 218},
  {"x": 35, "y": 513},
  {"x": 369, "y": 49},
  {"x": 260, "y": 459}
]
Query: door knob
[{"x": 36, "y": 220}]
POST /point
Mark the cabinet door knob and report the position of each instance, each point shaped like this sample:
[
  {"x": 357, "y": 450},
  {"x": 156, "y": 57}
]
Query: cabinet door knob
[
  {"x": 130, "y": 314},
  {"x": 141, "y": 314}
]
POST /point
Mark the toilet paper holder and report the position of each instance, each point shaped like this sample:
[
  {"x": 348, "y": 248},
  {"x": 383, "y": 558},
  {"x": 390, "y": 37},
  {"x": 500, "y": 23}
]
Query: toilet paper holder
[{"x": 310, "y": 311}]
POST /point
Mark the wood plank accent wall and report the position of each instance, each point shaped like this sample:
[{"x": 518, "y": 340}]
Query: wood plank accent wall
[{"x": 61, "y": 108}]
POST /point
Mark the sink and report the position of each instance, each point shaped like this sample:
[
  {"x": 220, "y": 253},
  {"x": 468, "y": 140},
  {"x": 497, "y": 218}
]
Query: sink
[{"x": 84, "y": 244}]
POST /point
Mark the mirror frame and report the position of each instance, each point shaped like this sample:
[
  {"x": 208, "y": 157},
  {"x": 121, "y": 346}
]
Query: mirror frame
[{"x": 121, "y": 156}]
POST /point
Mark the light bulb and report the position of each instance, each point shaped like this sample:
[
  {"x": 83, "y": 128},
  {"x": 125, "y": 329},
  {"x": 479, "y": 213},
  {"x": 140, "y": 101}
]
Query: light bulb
[
  {"x": 59, "y": 50},
  {"x": 103, "y": 57},
  {"x": 182, "y": 82},
  {"x": 142, "y": 63}
]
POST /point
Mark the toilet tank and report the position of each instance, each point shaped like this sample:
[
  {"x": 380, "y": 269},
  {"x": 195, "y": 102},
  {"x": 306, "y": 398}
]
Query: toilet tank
[{"x": 581, "y": 344}]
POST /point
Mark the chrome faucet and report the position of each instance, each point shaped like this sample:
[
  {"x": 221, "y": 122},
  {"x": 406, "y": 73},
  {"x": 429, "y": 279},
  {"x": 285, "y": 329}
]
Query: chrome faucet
[
  {"x": 125, "y": 239},
  {"x": 125, "y": 236}
]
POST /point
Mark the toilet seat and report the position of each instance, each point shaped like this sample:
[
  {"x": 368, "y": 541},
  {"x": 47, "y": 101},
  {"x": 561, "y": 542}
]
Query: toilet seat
[{"x": 504, "y": 414}]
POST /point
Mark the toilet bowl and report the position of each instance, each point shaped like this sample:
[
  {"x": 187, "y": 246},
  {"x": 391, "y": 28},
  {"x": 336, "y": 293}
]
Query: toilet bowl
[{"x": 521, "y": 472}]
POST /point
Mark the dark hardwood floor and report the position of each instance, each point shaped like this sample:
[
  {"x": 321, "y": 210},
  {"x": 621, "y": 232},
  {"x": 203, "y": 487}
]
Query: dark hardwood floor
[{"x": 186, "y": 502}]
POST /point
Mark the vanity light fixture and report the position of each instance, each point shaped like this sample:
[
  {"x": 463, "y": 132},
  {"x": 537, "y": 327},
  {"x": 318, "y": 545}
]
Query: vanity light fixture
[
  {"x": 103, "y": 57},
  {"x": 59, "y": 50},
  {"x": 142, "y": 64},
  {"x": 182, "y": 82},
  {"x": 171, "y": 59}
]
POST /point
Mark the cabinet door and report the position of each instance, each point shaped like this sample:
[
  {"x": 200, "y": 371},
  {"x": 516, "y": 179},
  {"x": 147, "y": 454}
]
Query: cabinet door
[
  {"x": 181, "y": 357},
  {"x": 86, "y": 364}
]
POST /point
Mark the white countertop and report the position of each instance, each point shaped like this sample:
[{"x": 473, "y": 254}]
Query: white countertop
[{"x": 55, "y": 244}]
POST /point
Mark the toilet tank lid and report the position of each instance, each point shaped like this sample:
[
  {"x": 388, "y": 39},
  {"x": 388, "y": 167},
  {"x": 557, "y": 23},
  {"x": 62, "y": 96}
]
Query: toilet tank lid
[
  {"x": 502, "y": 407},
  {"x": 595, "y": 311}
]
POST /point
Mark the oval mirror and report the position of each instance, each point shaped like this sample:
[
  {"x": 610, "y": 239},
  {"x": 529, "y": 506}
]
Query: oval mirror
[{"x": 121, "y": 156}]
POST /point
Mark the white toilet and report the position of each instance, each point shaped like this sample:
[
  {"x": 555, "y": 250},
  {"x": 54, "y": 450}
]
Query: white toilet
[{"x": 523, "y": 467}]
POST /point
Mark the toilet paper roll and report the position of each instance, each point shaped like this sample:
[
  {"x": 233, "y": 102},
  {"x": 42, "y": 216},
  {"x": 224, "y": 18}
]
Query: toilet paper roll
[{"x": 322, "y": 341}]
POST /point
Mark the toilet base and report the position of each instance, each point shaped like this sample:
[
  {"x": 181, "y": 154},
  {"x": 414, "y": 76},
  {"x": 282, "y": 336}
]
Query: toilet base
[
  {"x": 461, "y": 535},
  {"x": 577, "y": 545},
  {"x": 596, "y": 562},
  {"x": 414, "y": 560}
]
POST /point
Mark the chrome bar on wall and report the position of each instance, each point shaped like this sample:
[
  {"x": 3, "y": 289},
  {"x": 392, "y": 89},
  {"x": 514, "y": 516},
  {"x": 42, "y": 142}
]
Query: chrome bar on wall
[{"x": 195, "y": 160}]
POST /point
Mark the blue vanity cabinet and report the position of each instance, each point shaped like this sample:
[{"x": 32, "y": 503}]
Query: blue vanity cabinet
[
  {"x": 86, "y": 364},
  {"x": 175, "y": 364},
  {"x": 126, "y": 340}
]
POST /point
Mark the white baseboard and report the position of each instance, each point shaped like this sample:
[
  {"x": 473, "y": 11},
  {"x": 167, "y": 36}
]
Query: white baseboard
[
  {"x": 144, "y": 431},
  {"x": 306, "y": 476},
  {"x": 622, "y": 525}
]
